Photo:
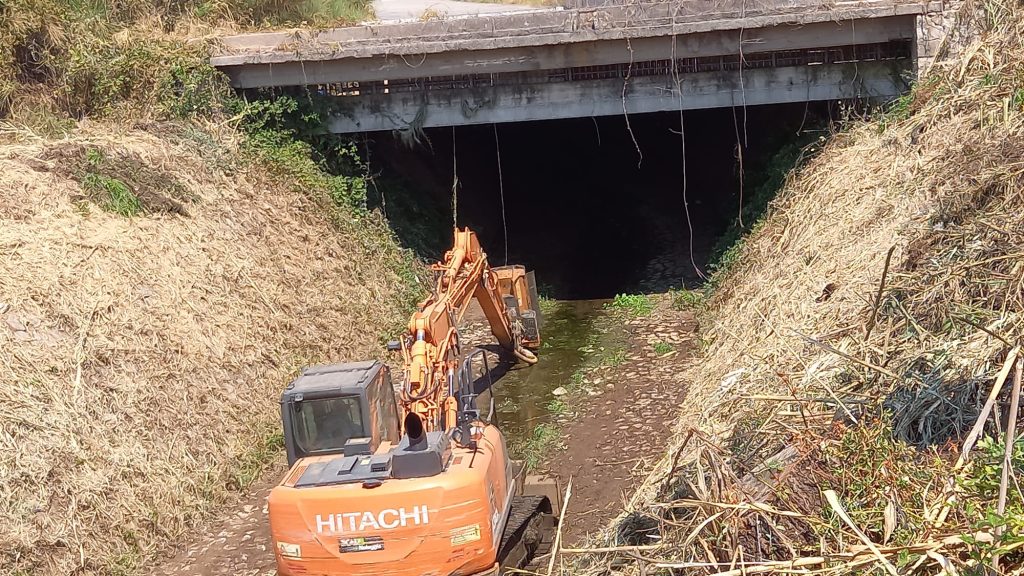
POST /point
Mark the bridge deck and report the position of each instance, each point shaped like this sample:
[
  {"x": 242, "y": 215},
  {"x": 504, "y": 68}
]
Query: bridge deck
[{"x": 548, "y": 27}]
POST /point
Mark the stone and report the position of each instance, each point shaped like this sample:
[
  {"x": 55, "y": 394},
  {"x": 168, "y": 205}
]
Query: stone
[
  {"x": 15, "y": 323},
  {"x": 560, "y": 391}
]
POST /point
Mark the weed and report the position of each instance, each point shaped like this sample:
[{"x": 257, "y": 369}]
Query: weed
[
  {"x": 613, "y": 358},
  {"x": 662, "y": 348},
  {"x": 316, "y": 12},
  {"x": 94, "y": 157},
  {"x": 980, "y": 487},
  {"x": 127, "y": 563},
  {"x": 1018, "y": 98},
  {"x": 683, "y": 299},
  {"x": 193, "y": 88},
  {"x": 546, "y": 304},
  {"x": 288, "y": 133},
  {"x": 251, "y": 463},
  {"x": 557, "y": 407},
  {"x": 577, "y": 378},
  {"x": 431, "y": 14},
  {"x": 633, "y": 304},
  {"x": 113, "y": 194},
  {"x": 871, "y": 469},
  {"x": 541, "y": 440}
]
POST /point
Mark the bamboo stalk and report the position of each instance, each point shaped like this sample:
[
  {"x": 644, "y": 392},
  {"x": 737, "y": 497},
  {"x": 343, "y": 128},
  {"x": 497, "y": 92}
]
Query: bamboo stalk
[
  {"x": 833, "y": 500},
  {"x": 1011, "y": 436},
  {"x": 561, "y": 521},
  {"x": 878, "y": 295},
  {"x": 838, "y": 352}
]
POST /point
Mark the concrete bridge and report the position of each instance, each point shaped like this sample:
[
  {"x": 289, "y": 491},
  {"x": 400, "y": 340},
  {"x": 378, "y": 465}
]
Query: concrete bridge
[{"x": 557, "y": 63}]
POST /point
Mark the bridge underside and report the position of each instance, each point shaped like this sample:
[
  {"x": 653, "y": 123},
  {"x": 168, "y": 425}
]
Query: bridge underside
[
  {"x": 877, "y": 72},
  {"x": 570, "y": 64}
]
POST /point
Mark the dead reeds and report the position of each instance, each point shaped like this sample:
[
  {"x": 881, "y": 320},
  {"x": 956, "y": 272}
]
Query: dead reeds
[
  {"x": 141, "y": 358},
  {"x": 825, "y": 435}
]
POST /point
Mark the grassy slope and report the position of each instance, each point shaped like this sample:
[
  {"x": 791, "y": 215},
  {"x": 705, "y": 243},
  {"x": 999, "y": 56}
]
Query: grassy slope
[
  {"x": 940, "y": 178},
  {"x": 144, "y": 385},
  {"x": 162, "y": 276}
]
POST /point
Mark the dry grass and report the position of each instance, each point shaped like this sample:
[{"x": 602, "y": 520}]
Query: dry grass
[
  {"x": 141, "y": 357},
  {"x": 788, "y": 399}
]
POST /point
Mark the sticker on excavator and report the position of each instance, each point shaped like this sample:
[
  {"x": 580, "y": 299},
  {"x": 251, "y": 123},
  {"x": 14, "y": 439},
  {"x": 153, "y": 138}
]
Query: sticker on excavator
[
  {"x": 361, "y": 544},
  {"x": 465, "y": 535}
]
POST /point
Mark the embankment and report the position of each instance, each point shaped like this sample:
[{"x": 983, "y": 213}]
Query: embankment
[
  {"x": 819, "y": 375},
  {"x": 156, "y": 294}
]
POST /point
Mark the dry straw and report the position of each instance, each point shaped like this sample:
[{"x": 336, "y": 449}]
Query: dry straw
[
  {"x": 791, "y": 353},
  {"x": 141, "y": 358}
]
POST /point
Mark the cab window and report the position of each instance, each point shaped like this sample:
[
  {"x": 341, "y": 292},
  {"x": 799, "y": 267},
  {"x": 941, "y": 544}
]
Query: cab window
[{"x": 326, "y": 424}]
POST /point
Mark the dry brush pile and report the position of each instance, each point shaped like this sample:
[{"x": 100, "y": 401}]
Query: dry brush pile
[
  {"x": 143, "y": 345},
  {"x": 852, "y": 350}
]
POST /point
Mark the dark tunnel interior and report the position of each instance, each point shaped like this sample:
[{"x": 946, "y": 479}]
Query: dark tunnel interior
[{"x": 594, "y": 205}]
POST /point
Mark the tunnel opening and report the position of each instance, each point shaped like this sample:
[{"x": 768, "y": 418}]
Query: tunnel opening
[{"x": 596, "y": 206}]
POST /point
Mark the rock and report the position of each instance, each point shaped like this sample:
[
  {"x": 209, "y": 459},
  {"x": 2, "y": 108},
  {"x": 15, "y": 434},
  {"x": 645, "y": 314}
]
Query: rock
[
  {"x": 4, "y": 307},
  {"x": 560, "y": 391},
  {"x": 15, "y": 323}
]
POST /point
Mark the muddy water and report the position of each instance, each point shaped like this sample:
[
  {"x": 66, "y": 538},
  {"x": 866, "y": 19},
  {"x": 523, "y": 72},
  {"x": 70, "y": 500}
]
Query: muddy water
[{"x": 573, "y": 334}]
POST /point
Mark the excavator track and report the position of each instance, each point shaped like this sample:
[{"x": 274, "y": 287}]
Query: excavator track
[{"x": 524, "y": 538}]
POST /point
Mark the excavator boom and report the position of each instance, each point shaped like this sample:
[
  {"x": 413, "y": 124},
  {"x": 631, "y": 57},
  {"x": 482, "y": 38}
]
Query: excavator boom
[{"x": 431, "y": 347}]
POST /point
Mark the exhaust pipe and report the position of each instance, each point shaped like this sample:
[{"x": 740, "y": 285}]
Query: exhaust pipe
[{"x": 413, "y": 427}]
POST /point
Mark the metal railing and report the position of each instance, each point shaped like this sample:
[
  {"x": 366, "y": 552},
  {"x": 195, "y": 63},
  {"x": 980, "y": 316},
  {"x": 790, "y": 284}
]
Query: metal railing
[{"x": 895, "y": 50}]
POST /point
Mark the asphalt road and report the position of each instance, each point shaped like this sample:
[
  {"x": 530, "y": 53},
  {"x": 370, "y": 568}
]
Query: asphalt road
[{"x": 426, "y": 9}]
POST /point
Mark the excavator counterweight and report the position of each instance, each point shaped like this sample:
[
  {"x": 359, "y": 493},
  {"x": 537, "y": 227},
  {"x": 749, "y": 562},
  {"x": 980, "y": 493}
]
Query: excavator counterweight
[{"x": 412, "y": 482}]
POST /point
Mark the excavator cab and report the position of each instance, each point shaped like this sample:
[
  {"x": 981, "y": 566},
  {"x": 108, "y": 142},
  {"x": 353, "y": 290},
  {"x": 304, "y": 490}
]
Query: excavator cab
[{"x": 346, "y": 409}]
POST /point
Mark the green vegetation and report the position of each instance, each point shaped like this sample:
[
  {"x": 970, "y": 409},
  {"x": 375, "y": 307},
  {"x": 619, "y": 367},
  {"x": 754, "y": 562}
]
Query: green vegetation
[
  {"x": 633, "y": 304},
  {"x": 612, "y": 358},
  {"x": 557, "y": 407},
  {"x": 72, "y": 59},
  {"x": 119, "y": 198},
  {"x": 289, "y": 133},
  {"x": 980, "y": 487},
  {"x": 765, "y": 177},
  {"x": 683, "y": 299},
  {"x": 577, "y": 379},
  {"x": 317, "y": 12},
  {"x": 544, "y": 438},
  {"x": 662, "y": 348},
  {"x": 871, "y": 470},
  {"x": 869, "y": 413},
  {"x": 136, "y": 73}
]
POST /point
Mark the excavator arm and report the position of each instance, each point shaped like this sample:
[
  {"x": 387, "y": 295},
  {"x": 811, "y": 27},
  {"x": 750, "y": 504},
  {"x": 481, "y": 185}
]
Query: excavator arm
[{"x": 431, "y": 347}]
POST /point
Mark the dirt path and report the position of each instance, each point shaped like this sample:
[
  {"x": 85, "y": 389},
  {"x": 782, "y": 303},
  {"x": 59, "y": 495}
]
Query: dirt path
[
  {"x": 616, "y": 436},
  {"x": 238, "y": 545}
]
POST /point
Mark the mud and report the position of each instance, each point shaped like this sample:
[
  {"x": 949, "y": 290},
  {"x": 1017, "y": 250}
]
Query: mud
[{"x": 617, "y": 433}]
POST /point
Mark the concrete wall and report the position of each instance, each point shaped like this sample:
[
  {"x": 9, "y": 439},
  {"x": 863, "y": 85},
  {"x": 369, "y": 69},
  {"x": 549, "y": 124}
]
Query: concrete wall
[
  {"x": 593, "y": 53},
  {"x": 882, "y": 80}
]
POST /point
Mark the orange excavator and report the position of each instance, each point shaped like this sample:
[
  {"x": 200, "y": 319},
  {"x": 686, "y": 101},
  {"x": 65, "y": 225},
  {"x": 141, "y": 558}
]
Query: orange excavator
[{"x": 415, "y": 482}]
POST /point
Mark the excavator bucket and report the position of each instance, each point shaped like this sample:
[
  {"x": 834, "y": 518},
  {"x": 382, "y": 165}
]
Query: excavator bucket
[
  {"x": 515, "y": 286},
  {"x": 531, "y": 283}
]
